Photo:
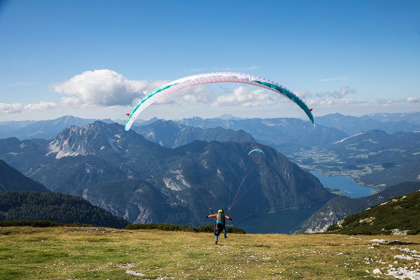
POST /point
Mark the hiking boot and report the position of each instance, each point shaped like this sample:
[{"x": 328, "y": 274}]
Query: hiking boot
[
  {"x": 215, "y": 242},
  {"x": 225, "y": 236}
]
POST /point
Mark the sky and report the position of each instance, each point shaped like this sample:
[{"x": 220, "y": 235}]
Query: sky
[{"x": 98, "y": 59}]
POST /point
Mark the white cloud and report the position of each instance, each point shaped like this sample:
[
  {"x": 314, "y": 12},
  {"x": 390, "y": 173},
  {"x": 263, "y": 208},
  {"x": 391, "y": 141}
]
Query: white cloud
[
  {"x": 330, "y": 99},
  {"x": 31, "y": 107},
  {"x": 41, "y": 106},
  {"x": 246, "y": 97},
  {"x": 343, "y": 91},
  {"x": 340, "y": 93},
  {"x": 108, "y": 88},
  {"x": 413, "y": 100},
  {"x": 11, "y": 108},
  {"x": 303, "y": 94},
  {"x": 196, "y": 94},
  {"x": 386, "y": 102},
  {"x": 100, "y": 87},
  {"x": 334, "y": 79}
]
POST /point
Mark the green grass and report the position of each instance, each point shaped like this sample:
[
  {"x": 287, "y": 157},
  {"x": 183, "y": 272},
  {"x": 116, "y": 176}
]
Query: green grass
[
  {"x": 101, "y": 253},
  {"x": 401, "y": 213}
]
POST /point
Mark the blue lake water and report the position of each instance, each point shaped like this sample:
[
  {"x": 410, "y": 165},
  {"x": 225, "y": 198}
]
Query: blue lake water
[
  {"x": 278, "y": 222},
  {"x": 344, "y": 183},
  {"x": 286, "y": 220}
]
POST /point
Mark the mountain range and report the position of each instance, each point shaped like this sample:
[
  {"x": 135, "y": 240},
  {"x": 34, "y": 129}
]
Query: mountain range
[
  {"x": 412, "y": 117},
  {"x": 172, "y": 135},
  {"x": 374, "y": 158},
  {"x": 163, "y": 174},
  {"x": 390, "y": 123},
  {"x": 279, "y": 133},
  {"x": 46, "y": 129},
  {"x": 349, "y": 125},
  {"x": 126, "y": 164}
]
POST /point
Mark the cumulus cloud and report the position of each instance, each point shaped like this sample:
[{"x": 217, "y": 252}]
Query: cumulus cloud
[
  {"x": 41, "y": 106},
  {"x": 196, "y": 94},
  {"x": 11, "y": 108},
  {"x": 334, "y": 99},
  {"x": 303, "y": 93},
  {"x": 108, "y": 88},
  {"x": 246, "y": 97},
  {"x": 343, "y": 91},
  {"x": 31, "y": 107},
  {"x": 329, "y": 99},
  {"x": 100, "y": 87},
  {"x": 413, "y": 100},
  {"x": 386, "y": 102},
  {"x": 340, "y": 93}
]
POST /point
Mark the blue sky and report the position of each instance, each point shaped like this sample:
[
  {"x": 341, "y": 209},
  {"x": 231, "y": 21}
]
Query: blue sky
[{"x": 66, "y": 57}]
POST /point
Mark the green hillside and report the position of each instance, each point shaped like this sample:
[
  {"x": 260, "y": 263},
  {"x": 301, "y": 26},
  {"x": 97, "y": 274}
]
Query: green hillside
[
  {"x": 29, "y": 206},
  {"x": 12, "y": 180},
  {"x": 395, "y": 216}
]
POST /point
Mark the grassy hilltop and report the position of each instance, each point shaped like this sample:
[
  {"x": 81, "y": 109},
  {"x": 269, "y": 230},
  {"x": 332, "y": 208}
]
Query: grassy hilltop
[{"x": 102, "y": 253}]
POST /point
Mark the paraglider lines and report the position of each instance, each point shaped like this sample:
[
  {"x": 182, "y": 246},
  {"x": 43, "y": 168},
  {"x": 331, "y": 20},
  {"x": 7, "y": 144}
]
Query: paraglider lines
[{"x": 234, "y": 203}]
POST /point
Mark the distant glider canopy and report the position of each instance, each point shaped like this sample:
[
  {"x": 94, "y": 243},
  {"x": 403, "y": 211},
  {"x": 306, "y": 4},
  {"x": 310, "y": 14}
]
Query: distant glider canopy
[
  {"x": 256, "y": 150},
  {"x": 217, "y": 77}
]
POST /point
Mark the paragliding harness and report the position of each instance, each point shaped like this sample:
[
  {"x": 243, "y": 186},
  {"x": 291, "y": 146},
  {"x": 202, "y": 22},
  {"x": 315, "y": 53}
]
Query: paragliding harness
[{"x": 219, "y": 223}]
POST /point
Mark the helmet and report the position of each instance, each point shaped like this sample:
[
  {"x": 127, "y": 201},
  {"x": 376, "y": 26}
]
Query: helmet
[{"x": 220, "y": 211}]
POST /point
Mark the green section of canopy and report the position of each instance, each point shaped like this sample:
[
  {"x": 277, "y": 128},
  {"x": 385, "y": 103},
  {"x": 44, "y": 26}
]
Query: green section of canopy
[
  {"x": 291, "y": 96},
  {"x": 147, "y": 97}
]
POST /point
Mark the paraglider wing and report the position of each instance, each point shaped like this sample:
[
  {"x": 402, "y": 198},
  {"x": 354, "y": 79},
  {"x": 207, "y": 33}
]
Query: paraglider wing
[
  {"x": 217, "y": 77},
  {"x": 256, "y": 150}
]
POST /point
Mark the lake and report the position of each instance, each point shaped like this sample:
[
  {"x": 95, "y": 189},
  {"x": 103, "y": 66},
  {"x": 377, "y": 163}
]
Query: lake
[
  {"x": 344, "y": 183},
  {"x": 286, "y": 220},
  {"x": 279, "y": 222}
]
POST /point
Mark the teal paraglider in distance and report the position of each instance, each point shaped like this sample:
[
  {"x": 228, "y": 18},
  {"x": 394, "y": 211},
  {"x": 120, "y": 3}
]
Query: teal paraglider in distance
[
  {"x": 217, "y": 77},
  {"x": 256, "y": 150}
]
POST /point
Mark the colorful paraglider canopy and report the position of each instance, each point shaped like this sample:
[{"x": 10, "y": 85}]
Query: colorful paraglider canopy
[
  {"x": 217, "y": 77},
  {"x": 256, "y": 150}
]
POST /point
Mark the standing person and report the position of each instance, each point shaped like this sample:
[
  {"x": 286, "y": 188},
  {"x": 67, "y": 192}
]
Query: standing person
[{"x": 219, "y": 224}]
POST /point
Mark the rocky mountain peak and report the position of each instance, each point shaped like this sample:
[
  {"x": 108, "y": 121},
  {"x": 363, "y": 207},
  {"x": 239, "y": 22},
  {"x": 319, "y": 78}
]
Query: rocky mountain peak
[{"x": 87, "y": 140}]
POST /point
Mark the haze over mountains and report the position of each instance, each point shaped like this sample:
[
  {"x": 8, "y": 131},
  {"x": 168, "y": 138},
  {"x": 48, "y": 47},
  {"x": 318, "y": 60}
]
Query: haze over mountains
[
  {"x": 390, "y": 123},
  {"x": 47, "y": 129}
]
